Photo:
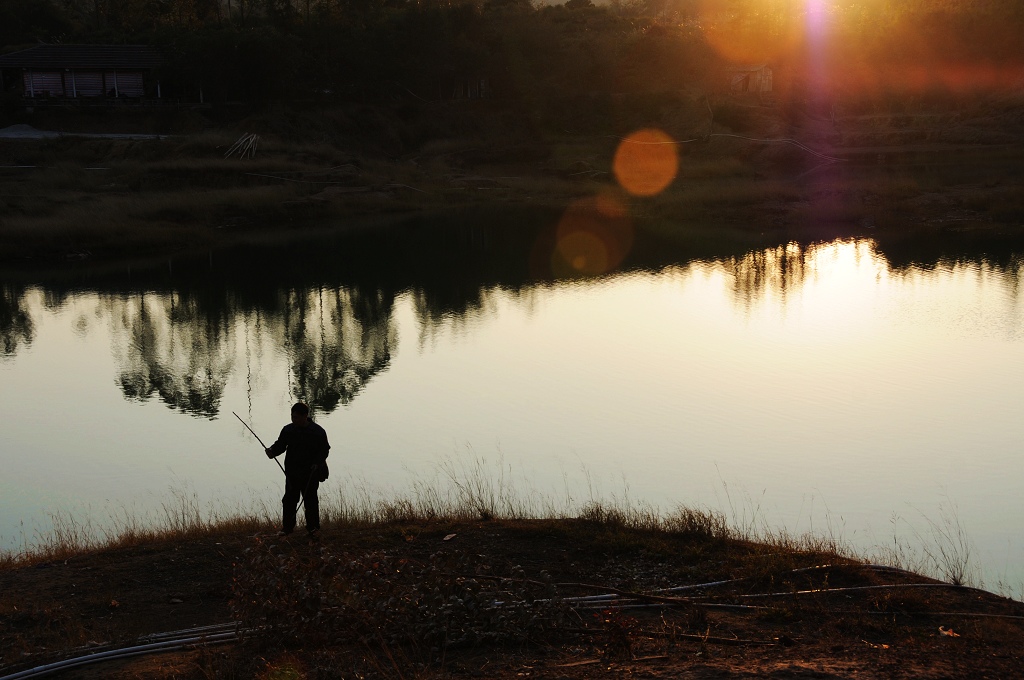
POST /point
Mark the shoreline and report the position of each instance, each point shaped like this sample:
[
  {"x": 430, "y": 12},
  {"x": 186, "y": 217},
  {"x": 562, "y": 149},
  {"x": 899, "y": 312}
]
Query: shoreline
[{"x": 153, "y": 199}]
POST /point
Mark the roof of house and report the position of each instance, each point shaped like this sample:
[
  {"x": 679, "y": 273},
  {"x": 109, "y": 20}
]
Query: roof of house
[{"x": 83, "y": 57}]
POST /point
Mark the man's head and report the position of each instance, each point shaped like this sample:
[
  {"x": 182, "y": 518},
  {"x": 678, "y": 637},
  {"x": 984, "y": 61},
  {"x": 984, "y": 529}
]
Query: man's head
[{"x": 300, "y": 414}]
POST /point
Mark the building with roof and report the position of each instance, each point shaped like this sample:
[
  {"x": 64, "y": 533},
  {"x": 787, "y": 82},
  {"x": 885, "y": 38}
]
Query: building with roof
[
  {"x": 755, "y": 78},
  {"x": 83, "y": 72}
]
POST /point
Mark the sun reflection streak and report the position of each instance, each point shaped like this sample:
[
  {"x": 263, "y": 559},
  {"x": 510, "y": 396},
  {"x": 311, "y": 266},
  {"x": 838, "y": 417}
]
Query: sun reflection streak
[
  {"x": 816, "y": 15},
  {"x": 817, "y": 26},
  {"x": 841, "y": 284},
  {"x": 784, "y": 273}
]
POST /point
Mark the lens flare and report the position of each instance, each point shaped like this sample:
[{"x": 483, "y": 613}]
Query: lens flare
[
  {"x": 767, "y": 39},
  {"x": 584, "y": 252},
  {"x": 592, "y": 238},
  {"x": 646, "y": 162}
]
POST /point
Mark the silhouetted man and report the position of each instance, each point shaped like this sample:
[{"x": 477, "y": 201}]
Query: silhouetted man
[{"x": 305, "y": 467}]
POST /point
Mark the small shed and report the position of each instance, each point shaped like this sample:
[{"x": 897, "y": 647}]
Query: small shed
[
  {"x": 83, "y": 71},
  {"x": 755, "y": 78}
]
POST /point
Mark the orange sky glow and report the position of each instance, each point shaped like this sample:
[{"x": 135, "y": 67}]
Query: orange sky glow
[{"x": 874, "y": 46}]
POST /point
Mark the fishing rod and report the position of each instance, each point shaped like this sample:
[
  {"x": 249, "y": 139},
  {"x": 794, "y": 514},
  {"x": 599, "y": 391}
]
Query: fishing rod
[
  {"x": 259, "y": 440},
  {"x": 303, "y": 498}
]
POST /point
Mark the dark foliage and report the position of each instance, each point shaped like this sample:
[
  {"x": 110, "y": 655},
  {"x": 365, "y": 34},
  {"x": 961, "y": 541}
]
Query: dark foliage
[{"x": 256, "y": 51}]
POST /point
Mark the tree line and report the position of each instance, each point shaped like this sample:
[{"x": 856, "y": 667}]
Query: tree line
[{"x": 255, "y": 50}]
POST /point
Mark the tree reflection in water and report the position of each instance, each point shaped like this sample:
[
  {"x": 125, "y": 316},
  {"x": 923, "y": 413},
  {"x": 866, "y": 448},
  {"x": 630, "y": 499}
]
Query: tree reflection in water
[
  {"x": 171, "y": 346},
  {"x": 16, "y": 325},
  {"x": 182, "y": 350},
  {"x": 780, "y": 269},
  {"x": 330, "y": 304},
  {"x": 337, "y": 339}
]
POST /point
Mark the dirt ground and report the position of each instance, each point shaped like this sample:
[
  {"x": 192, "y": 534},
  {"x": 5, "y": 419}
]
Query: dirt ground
[{"x": 909, "y": 628}]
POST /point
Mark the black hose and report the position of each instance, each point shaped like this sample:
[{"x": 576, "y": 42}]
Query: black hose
[{"x": 137, "y": 650}]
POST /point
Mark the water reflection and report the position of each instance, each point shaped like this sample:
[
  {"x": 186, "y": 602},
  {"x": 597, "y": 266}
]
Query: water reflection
[
  {"x": 16, "y": 327},
  {"x": 181, "y": 349},
  {"x": 783, "y": 270},
  {"x": 180, "y": 329},
  {"x": 173, "y": 347},
  {"x": 866, "y": 374},
  {"x": 337, "y": 340},
  {"x": 779, "y": 269}
]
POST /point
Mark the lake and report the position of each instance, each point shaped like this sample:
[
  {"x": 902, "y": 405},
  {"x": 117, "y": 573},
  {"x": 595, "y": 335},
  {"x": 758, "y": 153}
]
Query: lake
[{"x": 864, "y": 389}]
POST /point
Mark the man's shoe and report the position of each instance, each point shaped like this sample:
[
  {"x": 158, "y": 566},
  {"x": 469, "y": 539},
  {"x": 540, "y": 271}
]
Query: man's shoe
[
  {"x": 314, "y": 535},
  {"x": 283, "y": 532}
]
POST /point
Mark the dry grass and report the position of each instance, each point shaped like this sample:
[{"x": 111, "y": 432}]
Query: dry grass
[
  {"x": 182, "y": 519},
  {"x": 474, "y": 489},
  {"x": 461, "y": 490}
]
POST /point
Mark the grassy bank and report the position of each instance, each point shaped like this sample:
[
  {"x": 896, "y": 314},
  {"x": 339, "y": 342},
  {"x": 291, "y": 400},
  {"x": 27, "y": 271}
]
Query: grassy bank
[
  {"x": 82, "y": 198},
  {"x": 466, "y": 580}
]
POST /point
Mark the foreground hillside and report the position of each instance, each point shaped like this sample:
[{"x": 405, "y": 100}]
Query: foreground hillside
[{"x": 502, "y": 599}]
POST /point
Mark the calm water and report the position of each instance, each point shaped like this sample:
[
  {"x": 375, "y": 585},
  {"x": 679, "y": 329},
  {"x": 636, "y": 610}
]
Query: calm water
[{"x": 850, "y": 388}]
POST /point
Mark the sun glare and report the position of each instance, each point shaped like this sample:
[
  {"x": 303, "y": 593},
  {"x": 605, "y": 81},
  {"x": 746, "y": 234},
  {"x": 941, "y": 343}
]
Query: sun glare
[{"x": 870, "y": 48}]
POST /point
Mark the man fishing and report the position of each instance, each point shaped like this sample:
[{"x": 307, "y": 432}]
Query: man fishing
[{"x": 305, "y": 467}]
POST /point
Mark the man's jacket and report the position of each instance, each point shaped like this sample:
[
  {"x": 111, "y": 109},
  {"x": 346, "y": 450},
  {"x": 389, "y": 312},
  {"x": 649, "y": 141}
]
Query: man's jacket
[{"x": 306, "y": 446}]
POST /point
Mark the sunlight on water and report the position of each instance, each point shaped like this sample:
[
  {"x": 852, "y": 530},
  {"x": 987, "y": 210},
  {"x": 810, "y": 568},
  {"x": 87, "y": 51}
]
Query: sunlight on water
[{"x": 812, "y": 388}]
